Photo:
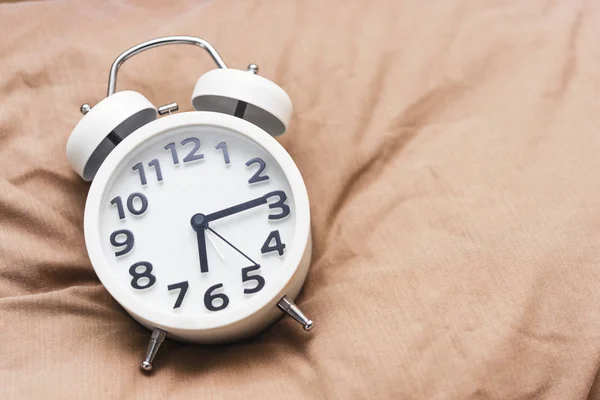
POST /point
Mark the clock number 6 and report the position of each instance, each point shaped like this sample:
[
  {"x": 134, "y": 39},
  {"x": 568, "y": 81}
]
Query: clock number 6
[
  {"x": 131, "y": 206},
  {"x": 260, "y": 281},
  {"x": 146, "y": 274},
  {"x": 209, "y": 298}
]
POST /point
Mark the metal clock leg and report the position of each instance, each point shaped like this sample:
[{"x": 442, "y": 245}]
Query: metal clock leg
[
  {"x": 158, "y": 336},
  {"x": 290, "y": 308}
]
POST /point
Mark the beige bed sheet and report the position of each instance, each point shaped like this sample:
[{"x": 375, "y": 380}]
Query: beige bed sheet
[{"x": 451, "y": 154}]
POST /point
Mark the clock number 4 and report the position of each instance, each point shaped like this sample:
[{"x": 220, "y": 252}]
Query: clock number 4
[
  {"x": 192, "y": 156},
  {"x": 267, "y": 247},
  {"x": 135, "y": 209},
  {"x": 183, "y": 287},
  {"x": 141, "y": 273},
  {"x": 139, "y": 167}
]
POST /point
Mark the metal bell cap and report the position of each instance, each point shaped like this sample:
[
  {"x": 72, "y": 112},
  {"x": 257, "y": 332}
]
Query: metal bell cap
[{"x": 246, "y": 95}]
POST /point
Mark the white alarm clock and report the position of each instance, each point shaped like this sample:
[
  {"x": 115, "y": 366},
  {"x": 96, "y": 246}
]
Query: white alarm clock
[{"x": 197, "y": 223}]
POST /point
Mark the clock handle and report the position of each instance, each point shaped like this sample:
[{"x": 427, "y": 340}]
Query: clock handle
[
  {"x": 158, "y": 336},
  {"x": 150, "y": 44},
  {"x": 290, "y": 308}
]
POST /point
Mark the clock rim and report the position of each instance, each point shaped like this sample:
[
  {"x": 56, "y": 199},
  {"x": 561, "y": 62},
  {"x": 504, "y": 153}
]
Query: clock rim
[{"x": 295, "y": 258}]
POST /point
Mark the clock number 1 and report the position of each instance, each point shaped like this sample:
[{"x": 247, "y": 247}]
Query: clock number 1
[{"x": 223, "y": 147}]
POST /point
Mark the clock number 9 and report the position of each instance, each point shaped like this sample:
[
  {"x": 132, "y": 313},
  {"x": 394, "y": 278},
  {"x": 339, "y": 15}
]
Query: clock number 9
[
  {"x": 138, "y": 276},
  {"x": 260, "y": 281},
  {"x": 128, "y": 242},
  {"x": 131, "y": 206},
  {"x": 209, "y": 298}
]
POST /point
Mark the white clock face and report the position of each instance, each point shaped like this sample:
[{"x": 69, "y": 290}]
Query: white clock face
[{"x": 196, "y": 223}]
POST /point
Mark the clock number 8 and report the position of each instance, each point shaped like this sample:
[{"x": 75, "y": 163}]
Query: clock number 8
[
  {"x": 209, "y": 298},
  {"x": 138, "y": 276}
]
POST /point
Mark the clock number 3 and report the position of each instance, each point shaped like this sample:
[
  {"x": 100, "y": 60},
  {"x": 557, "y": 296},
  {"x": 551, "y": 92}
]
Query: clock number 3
[
  {"x": 142, "y": 279},
  {"x": 280, "y": 203}
]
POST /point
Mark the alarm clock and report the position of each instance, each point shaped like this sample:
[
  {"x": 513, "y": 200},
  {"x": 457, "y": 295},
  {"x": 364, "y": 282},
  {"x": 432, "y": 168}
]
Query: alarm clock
[{"x": 197, "y": 223}]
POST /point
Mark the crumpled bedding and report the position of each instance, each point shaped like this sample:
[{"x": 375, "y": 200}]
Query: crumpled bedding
[{"x": 450, "y": 150}]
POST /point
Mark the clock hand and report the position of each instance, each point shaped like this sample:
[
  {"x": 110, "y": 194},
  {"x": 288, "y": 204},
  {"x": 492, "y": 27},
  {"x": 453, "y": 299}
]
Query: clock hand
[
  {"x": 229, "y": 243},
  {"x": 239, "y": 207},
  {"x": 199, "y": 225}
]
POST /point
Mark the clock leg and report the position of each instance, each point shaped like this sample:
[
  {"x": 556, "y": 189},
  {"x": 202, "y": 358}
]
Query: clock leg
[
  {"x": 158, "y": 336},
  {"x": 290, "y": 308}
]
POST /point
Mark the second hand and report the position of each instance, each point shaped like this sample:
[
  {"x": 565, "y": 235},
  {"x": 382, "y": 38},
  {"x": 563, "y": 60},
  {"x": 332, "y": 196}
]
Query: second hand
[{"x": 235, "y": 248}]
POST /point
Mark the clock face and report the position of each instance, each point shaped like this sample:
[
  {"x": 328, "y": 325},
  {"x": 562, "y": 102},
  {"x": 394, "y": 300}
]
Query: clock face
[{"x": 195, "y": 225}]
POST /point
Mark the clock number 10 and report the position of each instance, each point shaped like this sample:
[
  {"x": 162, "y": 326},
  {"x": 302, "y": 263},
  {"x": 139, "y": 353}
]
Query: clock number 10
[{"x": 135, "y": 207}]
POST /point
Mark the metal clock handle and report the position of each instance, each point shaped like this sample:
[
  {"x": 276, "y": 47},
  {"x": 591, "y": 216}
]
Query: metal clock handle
[{"x": 150, "y": 44}]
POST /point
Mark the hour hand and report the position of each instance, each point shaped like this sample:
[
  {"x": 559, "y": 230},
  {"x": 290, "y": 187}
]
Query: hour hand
[{"x": 199, "y": 225}]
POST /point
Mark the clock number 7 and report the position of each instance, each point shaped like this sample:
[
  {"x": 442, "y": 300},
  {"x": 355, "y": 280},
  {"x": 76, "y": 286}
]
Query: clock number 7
[{"x": 183, "y": 287}]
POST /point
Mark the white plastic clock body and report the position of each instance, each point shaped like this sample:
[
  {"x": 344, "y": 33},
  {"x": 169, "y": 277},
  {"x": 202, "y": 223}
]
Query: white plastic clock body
[{"x": 197, "y": 223}]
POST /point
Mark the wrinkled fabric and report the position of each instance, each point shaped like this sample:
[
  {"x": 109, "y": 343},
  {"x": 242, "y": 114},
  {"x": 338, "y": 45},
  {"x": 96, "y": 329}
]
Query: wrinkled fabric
[{"x": 450, "y": 151}]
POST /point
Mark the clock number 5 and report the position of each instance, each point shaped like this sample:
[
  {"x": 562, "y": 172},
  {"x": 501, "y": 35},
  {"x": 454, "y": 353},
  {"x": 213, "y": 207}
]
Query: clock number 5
[
  {"x": 260, "y": 281},
  {"x": 209, "y": 298}
]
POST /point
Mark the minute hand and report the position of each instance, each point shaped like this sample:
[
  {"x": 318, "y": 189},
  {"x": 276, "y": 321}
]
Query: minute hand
[{"x": 237, "y": 208}]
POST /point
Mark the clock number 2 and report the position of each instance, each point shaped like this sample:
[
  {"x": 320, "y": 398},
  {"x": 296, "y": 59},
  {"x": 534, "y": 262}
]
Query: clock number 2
[
  {"x": 257, "y": 177},
  {"x": 138, "y": 209},
  {"x": 142, "y": 279}
]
